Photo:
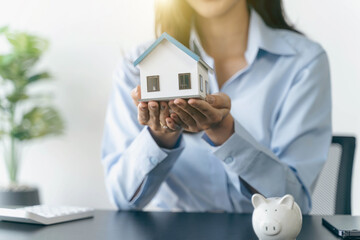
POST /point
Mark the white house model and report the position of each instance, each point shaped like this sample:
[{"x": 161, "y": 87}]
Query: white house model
[{"x": 169, "y": 70}]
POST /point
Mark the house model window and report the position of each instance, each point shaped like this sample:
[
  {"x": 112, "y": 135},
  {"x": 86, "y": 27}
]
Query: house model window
[
  {"x": 184, "y": 81},
  {"x": 201, "y": 83},
  {"x": 153, "y": 83}
]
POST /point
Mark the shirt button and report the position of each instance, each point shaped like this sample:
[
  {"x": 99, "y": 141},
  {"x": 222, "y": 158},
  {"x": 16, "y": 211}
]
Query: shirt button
[
  {"x": 228, "y": 160},
  {"x": 153, "y": 160}
]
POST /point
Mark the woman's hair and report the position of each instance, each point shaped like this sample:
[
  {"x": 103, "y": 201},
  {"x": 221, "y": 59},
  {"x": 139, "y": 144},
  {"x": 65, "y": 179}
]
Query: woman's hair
[{"x": 175, "y": 16}]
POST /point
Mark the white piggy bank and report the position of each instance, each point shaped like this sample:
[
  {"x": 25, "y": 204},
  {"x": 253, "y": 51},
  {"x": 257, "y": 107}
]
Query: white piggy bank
[{"x": 276, "y": 218}]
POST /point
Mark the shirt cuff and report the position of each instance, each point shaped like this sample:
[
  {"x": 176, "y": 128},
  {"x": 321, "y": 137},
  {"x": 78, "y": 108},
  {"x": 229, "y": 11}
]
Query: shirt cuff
[
  {"x": 242, "y": 147},
  {"x": 206, "y": 138},
  {"x": 243, "y": 155},
  {"x": 142, "y": 156}
]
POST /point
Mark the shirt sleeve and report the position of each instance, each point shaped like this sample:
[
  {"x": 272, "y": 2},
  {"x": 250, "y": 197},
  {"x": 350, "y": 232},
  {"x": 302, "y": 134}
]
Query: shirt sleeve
[
  {"x": 300, "y": 141},
  {"x": 130, "y": 156}
]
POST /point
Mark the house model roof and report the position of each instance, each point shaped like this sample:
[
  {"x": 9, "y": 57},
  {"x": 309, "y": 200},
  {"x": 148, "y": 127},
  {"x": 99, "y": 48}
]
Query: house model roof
[{"x": 177, "y": 44}]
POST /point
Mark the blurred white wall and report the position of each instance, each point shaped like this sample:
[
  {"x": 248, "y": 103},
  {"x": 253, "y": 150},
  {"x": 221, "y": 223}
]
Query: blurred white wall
[{"x": 87, "y": 38}]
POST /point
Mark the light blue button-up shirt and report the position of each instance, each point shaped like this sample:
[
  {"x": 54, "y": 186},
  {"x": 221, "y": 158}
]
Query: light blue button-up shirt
[{"x": 281, "y": 103}]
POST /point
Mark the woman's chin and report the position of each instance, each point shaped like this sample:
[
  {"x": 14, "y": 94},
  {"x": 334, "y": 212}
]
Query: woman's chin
[{"x": 212, "y": 8}]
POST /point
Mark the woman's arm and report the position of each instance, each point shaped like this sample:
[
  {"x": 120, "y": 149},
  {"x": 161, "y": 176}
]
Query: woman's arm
[
  {"x": 135, "y": 165},
  {"x": 300, "y": 140}
]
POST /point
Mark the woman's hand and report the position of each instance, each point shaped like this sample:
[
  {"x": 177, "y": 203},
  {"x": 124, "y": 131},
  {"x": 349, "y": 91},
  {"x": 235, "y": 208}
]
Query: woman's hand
[
  {"x": 212, "y": 116},
  {"x": 156, "y": 115}
]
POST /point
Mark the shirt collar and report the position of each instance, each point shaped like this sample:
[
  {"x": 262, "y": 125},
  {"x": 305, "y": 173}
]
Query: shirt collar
[{"x": 260, "y": 37}]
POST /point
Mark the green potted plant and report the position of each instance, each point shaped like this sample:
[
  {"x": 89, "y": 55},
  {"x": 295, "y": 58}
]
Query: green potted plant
[{"x": 24, "y": 116}]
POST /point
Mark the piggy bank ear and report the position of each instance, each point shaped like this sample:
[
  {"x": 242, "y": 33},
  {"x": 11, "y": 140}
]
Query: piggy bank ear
[
  {"x": 287, "y": 200},
  {"x": 257, "y": 199}
]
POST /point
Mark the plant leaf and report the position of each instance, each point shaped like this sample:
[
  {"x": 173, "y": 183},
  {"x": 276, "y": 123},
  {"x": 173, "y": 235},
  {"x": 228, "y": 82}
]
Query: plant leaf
[
  {"x": 11, "y": 68},
  {"x": 6, "y": 60},
  {"x": 26, "y": 49},
  {"x": 17, "y": 96},
  {"x": 26, "y": 43},
  {"x": 39, "y": 122},
  {"x": 3, "y": 29},
  {"x": 36, "y": 77}
]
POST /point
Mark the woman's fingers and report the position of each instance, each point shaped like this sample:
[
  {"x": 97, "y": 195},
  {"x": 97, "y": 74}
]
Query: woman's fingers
[
  {"x": 143, "y": 113},
  {"x": 154, "y": 115},
  {"x": 219, "y": 100},
  {"x": 136, "y": 95},
  {"x": 183, "y": 116},
  {"x": 171, "y": 124},
  {"x": 164, "y": 113},
  {"x": 195, "y": 114},
  {"x": 207, "y": 110},
  {"x": 174, "y": 117}
]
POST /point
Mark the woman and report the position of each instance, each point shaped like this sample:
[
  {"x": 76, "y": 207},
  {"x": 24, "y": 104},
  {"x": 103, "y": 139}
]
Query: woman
[{"x": 265, "y": 128}]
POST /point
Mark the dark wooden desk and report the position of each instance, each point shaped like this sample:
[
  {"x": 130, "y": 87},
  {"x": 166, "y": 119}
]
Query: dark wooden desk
[{"x": 154, "y": 225}]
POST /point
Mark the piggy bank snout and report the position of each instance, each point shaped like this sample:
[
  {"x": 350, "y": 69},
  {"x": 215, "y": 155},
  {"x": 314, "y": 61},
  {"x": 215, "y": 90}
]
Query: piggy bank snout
[{"x": 270, "y": 228}]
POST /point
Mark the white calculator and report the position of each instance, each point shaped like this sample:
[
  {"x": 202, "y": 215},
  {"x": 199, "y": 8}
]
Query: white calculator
[{"x": 44, "y": 214}]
